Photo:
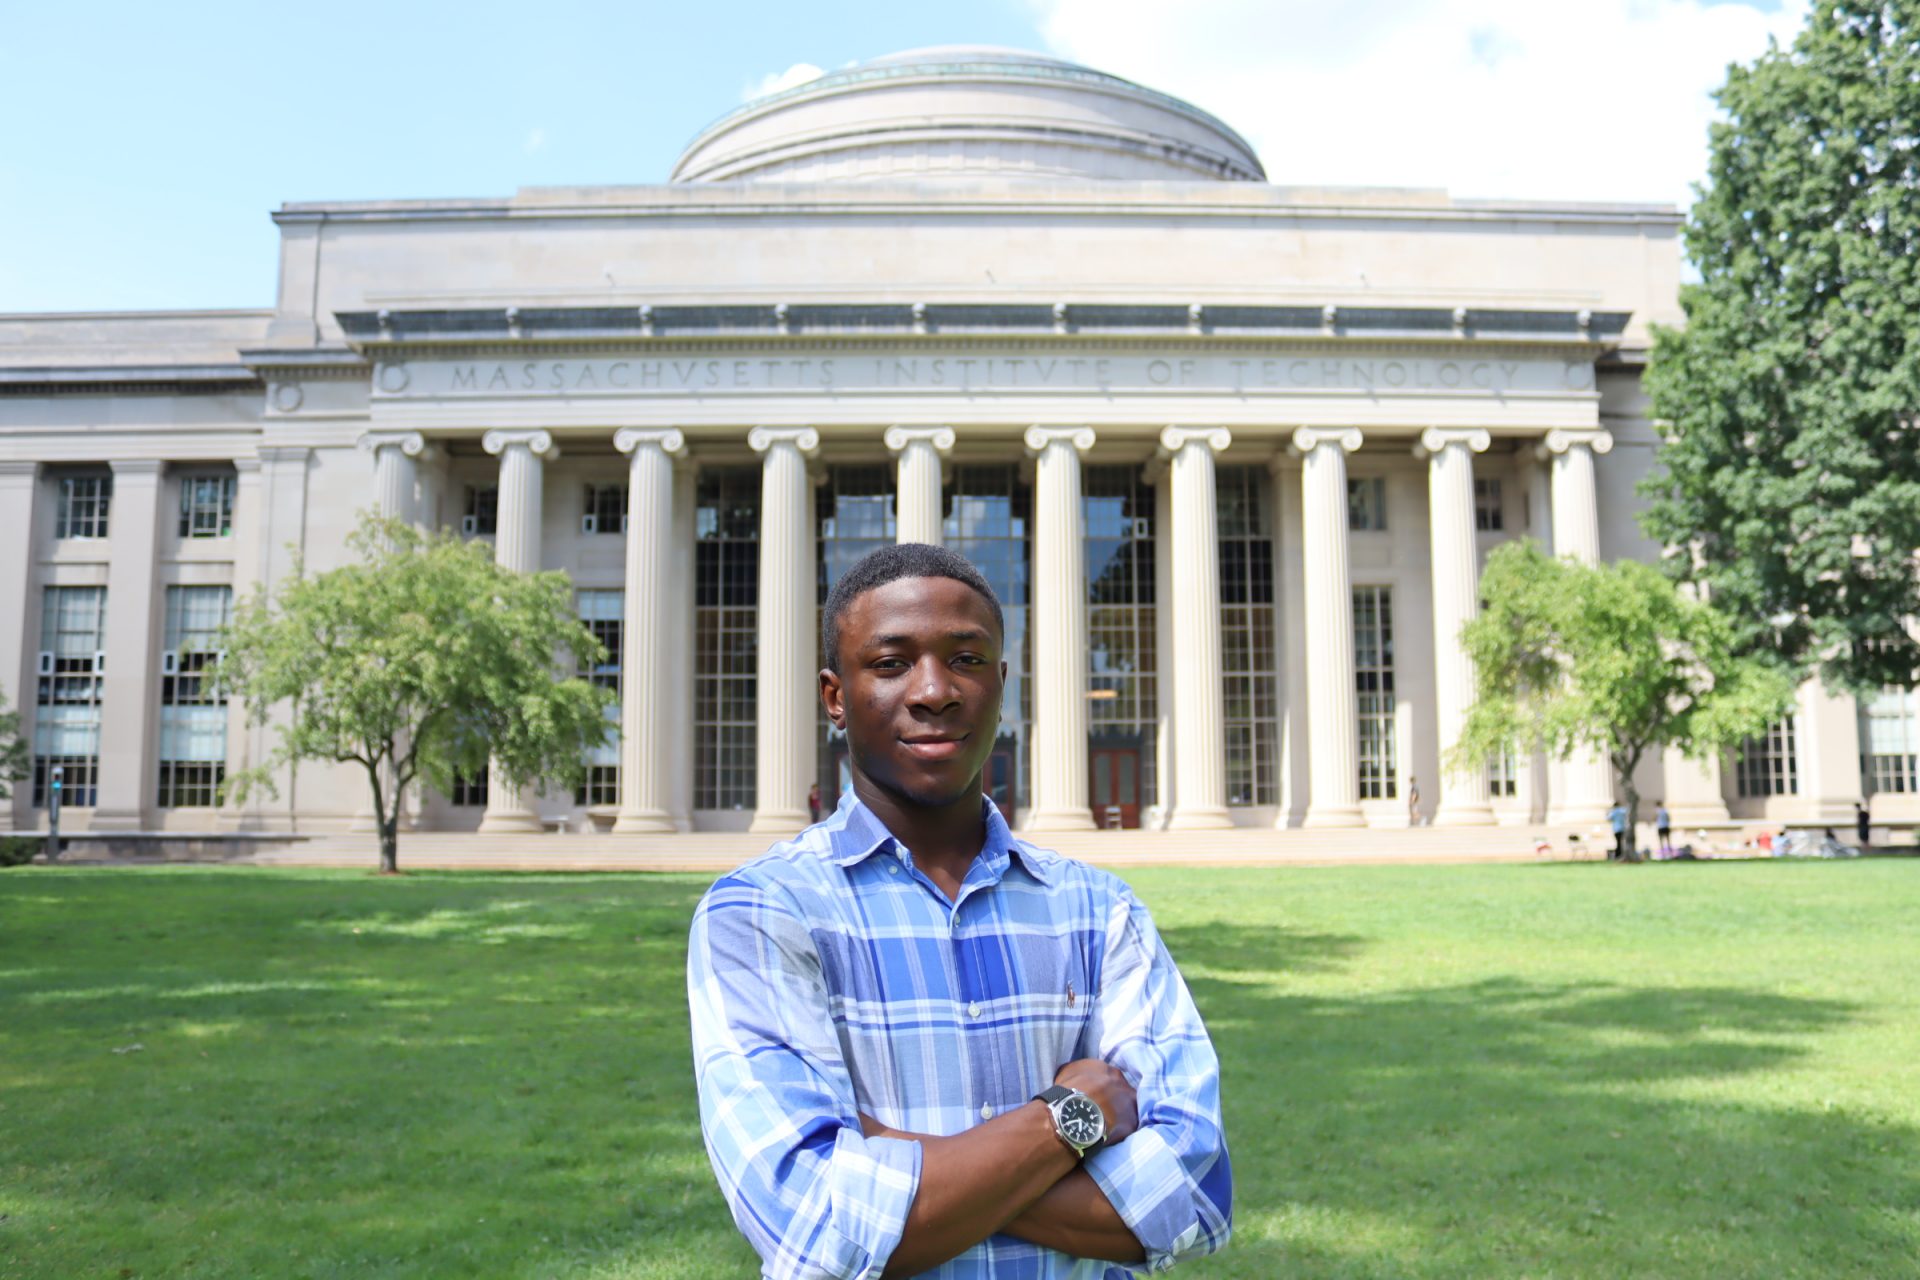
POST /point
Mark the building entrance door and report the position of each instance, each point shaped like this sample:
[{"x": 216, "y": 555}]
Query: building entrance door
[{"x": 1114, "y": 786}]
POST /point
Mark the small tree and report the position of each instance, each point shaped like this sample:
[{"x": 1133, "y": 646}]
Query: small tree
[
  {"x": 13, "y": 749},
  {"x": 423, "y": 660},
  {"x": 1613, "y": 659}
]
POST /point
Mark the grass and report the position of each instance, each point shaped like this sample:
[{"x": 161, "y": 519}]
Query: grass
[{"x": 1534, "y": 1071}]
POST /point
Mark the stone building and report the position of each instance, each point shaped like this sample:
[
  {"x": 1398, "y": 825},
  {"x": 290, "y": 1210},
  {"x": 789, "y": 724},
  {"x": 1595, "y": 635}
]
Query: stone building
[{"x": 1230, "y": 451}]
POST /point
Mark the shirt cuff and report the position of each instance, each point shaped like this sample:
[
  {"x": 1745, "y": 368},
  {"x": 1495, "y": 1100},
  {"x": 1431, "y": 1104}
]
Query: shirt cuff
[
  {"x": 1147, "y": 1185},
  {"x": 871, "y": 1183}
]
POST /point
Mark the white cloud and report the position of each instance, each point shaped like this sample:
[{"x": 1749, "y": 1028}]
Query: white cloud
[
  {"x": 1551, "y": 99},
  {"x": 774, "y": 81}
]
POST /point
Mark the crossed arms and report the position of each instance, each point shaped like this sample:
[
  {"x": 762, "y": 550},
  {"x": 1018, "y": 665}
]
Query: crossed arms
[{"x": 821, "y": 1189}]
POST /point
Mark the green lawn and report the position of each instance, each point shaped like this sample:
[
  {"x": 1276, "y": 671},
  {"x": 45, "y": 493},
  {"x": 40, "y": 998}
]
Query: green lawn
[{"x": 1701, "y": 1070}]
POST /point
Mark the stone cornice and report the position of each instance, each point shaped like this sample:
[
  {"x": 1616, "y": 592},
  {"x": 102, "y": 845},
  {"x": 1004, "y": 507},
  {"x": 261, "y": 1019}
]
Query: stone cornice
[{"x": 199, "y": 379}]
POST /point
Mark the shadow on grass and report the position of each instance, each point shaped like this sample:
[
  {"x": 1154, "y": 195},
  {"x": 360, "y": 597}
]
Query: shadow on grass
[{"x": 1509, "y": 1127}]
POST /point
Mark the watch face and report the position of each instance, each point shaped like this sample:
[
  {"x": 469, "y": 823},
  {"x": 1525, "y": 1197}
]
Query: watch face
[{"x": 1081, "y": 1121}]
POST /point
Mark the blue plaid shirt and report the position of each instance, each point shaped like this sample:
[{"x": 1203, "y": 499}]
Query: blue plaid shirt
[{"x": 831, "y": 977}]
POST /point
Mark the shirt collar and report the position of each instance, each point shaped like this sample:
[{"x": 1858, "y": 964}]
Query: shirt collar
[{"x": 854, "y": 834}]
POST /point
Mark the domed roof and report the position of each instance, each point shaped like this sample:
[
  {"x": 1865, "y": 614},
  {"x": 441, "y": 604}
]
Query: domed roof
[{"x": 967, "y": 111}]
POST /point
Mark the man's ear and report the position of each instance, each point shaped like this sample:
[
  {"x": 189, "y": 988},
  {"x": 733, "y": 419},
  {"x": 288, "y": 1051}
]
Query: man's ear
[{"x": 830, "y": 698}]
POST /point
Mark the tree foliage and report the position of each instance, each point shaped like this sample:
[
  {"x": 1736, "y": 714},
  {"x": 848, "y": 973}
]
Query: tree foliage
[
  {"x": 1613, "y": 659},
  {"x": 13, "y": 749},
  {"x": 423, "y": 660},
  {"x": 1791, "y": 481}
]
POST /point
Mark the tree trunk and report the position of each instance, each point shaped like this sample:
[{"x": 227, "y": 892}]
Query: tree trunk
[{"x": 389, "y": 845}]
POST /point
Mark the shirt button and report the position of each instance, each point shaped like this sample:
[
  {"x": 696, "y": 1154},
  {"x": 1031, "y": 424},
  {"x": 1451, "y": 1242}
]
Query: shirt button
[
  {"x": 973, "y": 1010},
  {"x": 893, "y": 868},
  {"x": 986, "y": 1111}
]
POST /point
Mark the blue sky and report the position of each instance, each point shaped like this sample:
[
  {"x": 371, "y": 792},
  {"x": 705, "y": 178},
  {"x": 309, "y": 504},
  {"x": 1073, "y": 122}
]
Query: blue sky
[{"x": 142, "y": 146}]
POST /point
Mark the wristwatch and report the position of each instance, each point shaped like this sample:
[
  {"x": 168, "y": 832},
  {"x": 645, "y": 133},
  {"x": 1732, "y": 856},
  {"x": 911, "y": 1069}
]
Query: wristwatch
[{"x": 1077, "y": 1118}]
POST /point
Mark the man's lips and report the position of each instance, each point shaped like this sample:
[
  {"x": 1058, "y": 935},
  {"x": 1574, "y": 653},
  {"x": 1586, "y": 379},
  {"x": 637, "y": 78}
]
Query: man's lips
[{"x": 935, "y": 747}]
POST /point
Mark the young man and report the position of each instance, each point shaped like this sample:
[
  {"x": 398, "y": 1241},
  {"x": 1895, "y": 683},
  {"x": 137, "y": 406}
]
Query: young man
[{"x": 923, "y": 1045}]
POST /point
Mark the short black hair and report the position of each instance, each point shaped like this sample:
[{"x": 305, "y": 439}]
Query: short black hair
[{"x": 890, "y": 564}]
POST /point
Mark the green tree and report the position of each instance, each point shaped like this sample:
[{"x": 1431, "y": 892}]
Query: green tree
[
  {"x": 422, "y": 660},
  {"x": 13, "y": 749},
  {"x": 1790, "y": 483},
  {"x": 1615, "y": 659}
]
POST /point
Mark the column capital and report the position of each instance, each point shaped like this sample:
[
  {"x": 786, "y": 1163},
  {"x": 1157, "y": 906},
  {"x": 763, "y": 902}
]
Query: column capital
[
  {"x": 1038, "y": 438},
  {"x": 805, "y": 439},
  {"x": 539, "y": 443},
  {"x": 1561, "y": 439},
  {"x": 1307, "y": 439},
  {"x": 1174, "y": 439},
  {"x": 1434, "y": 439},
  {"x": 411, "y": 443},
  {"x": 941, "y": 438},
  {"x": 671, "y": 441}
]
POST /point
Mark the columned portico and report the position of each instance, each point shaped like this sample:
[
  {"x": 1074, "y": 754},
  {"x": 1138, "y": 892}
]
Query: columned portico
[
  {"x": 1586, "y": 791},
  {"x": 785, "y": 689},
  {"x": 1199, "y": 726},
  {"x": 1060, "y": 632},
  {"x": 1464, "y": 796},
  {"x": 648, "y": 635},
  {"x": 523, "y": 455},
  {"x": 917, "y": 486},
  {"x": 396, "y": 473},
  {"x": 1333, "y": 795}
]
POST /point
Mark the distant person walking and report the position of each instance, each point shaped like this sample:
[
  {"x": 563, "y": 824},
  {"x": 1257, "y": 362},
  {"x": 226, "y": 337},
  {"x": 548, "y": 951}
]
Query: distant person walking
[
  {"x": 1862, "y": 824},
  {"x": 1413, "y": 802},
  {"x": 1663, "y": 824},
  {"x": 1617, "y": 818}
]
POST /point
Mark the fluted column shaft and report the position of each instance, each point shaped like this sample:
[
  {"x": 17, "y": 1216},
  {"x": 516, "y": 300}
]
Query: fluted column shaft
[
  {"x": 686, "y": 499},
  {"x": 786, "y": 689},
  {"x": 1464, "y": 796},
  {"x": 1199, "y": 721},
  {"x": 917, "y": 486},
  {"x": 1333, "y": 765},
  {"x": 648, "y": 624},
  {"x": 516, "y": 545},
  {"x": 1060, "y": 633},
  {"x": 1586, "y": 779}
]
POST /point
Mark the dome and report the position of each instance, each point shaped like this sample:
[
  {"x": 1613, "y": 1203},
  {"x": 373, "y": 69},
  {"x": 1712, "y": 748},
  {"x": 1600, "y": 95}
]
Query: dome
[{"x": 967, "y": 111}]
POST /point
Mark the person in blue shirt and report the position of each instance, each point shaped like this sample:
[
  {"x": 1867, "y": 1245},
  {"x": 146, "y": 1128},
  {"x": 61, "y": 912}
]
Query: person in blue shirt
[
  {"x": 922, "y": 1045},
  {"x": 1617, "y": 816}
]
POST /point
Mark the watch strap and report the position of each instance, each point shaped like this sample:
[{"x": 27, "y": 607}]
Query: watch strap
[{"x": 1052, "y": 1094}]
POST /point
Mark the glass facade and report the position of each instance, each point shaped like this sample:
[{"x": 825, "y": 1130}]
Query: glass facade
[
  {"x": 726, "y": 575},
  {"x": 193, "y": 713},
  {"x": 988, "y": 512},
  {"x": 604, "y": 510},
  {"x": 206, "y": 505},
  {"x": 1373, "y": 679},
  {"x": 1248, "y": 661},
  {"x": 66, "y": 728},
  {"x": 1123, "y": 656},
  {"x": 853, "y": 515},
  {"x": 1767, "y": 765},
  {"x": 1489, "y": 515},
  {"x": 1890, "y": 742},
  {"x": 603, "y": 611},
  {"x": 81, "y": 511},
  {"x": 482, "y": 516}
]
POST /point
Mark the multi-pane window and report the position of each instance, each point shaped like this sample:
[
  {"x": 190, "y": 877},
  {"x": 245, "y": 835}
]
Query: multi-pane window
[
  {"x": 469, "y": 792},
  {"x": 1249, "y": 669},
  {"x": 1488, "y": 514},
  {"x": 482, "y": 515},
  {"x": 605, "y": 510},
  {"x": 82, "y": 508},
  {"x": 206, "y": 505},
  {"x": 1767, "y": 765},
  {"x": 726, "y": 564},
  {"x": 66, "y": 730},
  {"x": 1122, "y": 661},
  {"x": 1503, "y": 773},
  {"x": 1373, "y": 679},
  {"x": 1367, "y": 504},
  {"x": 987, "y": 521},
  {"x": 193, "y": 712},
  {"x": 1890, "y": 734},
  {"x": 603, "y": 611}
]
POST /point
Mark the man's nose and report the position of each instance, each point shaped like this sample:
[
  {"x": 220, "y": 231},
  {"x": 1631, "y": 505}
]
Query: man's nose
[{"x": 934, "y": 685}]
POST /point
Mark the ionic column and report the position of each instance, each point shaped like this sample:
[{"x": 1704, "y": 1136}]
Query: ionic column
[
  {"x": 396, "y": 474},
  {"x": 130, "y": 699},
  {"x": 917, "y": 488},
  {"x": 19, "y": 491},
  {"x": 1199, "y": 724},
  {"x": 1333, "y": 724},
  {"x": 786, "y": 684},
  {"x": 1464, "y": 797},
  {"x": 1587, "y": 782},
  {"x": 650, "y": 622},
  {"x": 516, "y": 546},
  {"x": 1060, "y": 632},
  {"x": 686, "y": 499},
  {"x": 1165, "y": 753}
]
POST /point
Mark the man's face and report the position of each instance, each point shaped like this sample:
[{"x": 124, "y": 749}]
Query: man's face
[{"x": 919, "y": 688}]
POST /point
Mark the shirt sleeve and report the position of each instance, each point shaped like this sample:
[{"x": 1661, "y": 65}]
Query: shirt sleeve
[
  {"x": 1170, "y": 1181},
  {"x": 812, "y": 1195}
]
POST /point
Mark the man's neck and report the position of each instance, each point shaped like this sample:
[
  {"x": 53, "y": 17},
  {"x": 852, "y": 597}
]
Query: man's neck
[{"x": 945, "y": 838}]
